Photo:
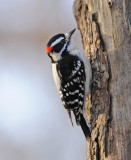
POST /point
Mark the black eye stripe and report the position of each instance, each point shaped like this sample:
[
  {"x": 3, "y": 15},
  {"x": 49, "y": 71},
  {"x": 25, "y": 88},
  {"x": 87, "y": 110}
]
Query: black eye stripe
[{"x": 57, "y": 48}]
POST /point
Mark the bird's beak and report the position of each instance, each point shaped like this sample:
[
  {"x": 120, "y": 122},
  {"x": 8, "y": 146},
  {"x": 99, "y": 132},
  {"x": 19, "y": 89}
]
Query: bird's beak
[{"x": 68, "y": 35}]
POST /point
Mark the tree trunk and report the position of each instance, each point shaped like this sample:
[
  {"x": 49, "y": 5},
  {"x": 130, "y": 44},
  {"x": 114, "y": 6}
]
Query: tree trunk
[{"x": 105, "y": 27}]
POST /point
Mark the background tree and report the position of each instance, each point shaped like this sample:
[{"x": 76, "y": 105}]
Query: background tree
[{"x": 105, "y": 27}]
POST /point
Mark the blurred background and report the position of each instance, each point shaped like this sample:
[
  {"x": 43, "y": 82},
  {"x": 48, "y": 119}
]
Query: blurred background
[{"x": 33, "y": 123}]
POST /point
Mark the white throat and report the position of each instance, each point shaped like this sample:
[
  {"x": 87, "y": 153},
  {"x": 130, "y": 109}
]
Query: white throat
[{"x": 57, "y": 56}]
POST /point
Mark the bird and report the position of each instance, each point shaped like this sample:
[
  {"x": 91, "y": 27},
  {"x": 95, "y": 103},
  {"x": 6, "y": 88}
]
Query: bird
[{"x": 72, "y": 75}]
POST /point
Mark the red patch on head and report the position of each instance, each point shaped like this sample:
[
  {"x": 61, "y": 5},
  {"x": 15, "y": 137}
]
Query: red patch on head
[{"x": 49, "y": 49}]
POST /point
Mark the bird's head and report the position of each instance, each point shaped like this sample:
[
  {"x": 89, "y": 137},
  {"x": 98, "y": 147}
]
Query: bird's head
[{"x": 58, "y": 44}]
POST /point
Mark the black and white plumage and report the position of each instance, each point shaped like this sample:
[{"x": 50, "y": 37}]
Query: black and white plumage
[{"x": 72, "y": 75}]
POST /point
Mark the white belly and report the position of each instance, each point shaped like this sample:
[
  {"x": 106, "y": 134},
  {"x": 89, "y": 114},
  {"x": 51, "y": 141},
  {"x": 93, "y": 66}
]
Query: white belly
[{"x": 56, "y": 77}]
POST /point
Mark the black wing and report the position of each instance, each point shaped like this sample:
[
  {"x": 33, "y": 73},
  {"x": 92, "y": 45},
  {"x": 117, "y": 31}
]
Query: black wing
[{"x": 72, "y": 74}]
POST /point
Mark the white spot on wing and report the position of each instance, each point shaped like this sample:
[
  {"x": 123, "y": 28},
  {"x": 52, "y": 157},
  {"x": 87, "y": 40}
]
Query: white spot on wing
[
  {"x": 72, "y": 102},
  {"x": 71, "y": 83},
  {"x": 81, "y": 95},
  {"x": 73, "y": 93},
  {"x": 75, "y": 80},
  {"x": 80, "y": 102},
  {"x": 81, "y": 87},
  {"x": 67, "y": 94},
  {"x": 68, "y": 84}
]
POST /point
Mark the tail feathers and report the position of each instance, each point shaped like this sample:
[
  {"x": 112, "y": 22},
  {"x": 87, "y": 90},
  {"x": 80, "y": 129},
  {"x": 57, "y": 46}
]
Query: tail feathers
[
  {"x": 80, "y": 120},
  {"x": 69, "y": 113},
  {"x": 84, "y": 126}
]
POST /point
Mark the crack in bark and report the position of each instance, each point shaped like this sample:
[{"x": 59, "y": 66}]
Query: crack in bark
[
  {"x": 108, "y": 126},
  {"x": 98, "y": 149},
  {"x": 94, "y": 18}
]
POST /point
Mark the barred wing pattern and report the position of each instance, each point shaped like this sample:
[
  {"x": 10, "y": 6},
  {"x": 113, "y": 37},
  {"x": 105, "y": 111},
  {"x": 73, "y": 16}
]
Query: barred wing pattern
[{"x": 72, "y": 75}]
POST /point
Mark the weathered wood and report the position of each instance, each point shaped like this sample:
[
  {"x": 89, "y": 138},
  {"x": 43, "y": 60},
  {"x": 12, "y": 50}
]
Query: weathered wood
[{"x": 105, "y": 27}]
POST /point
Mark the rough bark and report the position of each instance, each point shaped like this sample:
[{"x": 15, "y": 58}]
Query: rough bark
[{"x": 105, "y": 27}]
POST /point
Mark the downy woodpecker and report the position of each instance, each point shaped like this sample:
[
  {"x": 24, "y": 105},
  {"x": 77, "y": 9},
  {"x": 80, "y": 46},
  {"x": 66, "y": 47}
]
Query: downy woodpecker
[{"x": 72, "y": 74}]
